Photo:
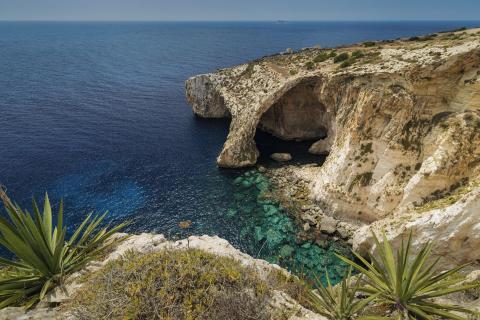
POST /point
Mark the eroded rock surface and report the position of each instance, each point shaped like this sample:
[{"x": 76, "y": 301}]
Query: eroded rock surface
[{"x": 401, "y": 125}]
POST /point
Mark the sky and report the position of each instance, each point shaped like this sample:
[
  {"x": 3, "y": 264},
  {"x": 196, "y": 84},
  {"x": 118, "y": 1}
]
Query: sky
[{"x": 239, "y": 10}]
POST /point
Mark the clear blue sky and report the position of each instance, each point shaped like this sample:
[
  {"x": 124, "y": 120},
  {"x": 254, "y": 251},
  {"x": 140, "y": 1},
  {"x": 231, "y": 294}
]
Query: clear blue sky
[{"x": 239, "y": 9}]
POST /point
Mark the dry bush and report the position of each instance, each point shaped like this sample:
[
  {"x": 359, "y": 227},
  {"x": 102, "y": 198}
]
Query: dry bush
[{"x": 175, "y": 284}]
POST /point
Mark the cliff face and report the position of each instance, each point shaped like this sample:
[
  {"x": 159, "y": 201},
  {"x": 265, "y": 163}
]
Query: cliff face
[{"x": 400, "y": 121}]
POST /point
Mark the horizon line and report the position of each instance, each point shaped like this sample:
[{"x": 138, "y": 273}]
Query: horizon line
[{"x": 235, "y": 20}]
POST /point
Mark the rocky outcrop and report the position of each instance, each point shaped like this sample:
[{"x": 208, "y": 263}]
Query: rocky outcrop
[{"x": 400, "y": 122}]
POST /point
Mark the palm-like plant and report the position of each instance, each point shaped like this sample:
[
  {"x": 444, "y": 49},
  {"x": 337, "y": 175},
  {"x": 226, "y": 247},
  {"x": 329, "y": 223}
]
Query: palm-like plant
[
  {"x": 408, "y": 284},
  {"x": 339, "y": 302},
  {"x": 43, "y": 256}
]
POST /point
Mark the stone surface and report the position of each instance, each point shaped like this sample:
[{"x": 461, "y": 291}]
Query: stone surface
[
  {"x": 14, "y": 313},
  {"x": 281, "y": 157},
  {"x": 328, "y": 225}
]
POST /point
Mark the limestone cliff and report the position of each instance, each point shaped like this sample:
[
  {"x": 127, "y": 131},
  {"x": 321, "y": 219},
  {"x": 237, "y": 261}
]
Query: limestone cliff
[{"x": 399, "y": 120}]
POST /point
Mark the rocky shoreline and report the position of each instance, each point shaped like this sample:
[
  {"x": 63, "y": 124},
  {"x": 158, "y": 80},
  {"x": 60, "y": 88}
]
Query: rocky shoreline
[
  {"x": 293, "y": 190},
  {"x": 398, "y": 119}
]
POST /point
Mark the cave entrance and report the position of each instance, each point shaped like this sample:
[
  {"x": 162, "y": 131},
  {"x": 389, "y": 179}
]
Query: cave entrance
[
  {"x": 268, "y": 144},
  {"x": 293, "y": 124}
]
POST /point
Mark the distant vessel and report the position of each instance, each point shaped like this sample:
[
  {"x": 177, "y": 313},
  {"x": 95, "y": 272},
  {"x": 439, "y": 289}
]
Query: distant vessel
[{"x": 282, "y": 21}]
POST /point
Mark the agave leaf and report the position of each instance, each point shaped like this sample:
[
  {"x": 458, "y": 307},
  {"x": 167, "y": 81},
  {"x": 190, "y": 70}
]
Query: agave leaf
[
  {"x": 78, "y": 231},
  {"x": 45, "y": 288},
  {"x": 376, "y": 278},
  {"x": 417, "y": 311},
  {"x": 443, "y": 292},
  {"x": 396, "y": 280},
  {"x": 389, "y": 259},
  {"x": 43, "y": 256},
  {"x": 437, "y": 310},
  {"x": 418, "y": 264},
  {"x": 38, "y": 216},
  {"x": 47, "y": 220},
  {"x": 448, "y": 307}
]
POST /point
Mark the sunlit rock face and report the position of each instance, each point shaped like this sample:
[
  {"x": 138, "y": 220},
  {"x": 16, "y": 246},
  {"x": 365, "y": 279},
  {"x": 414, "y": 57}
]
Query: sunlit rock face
[{"x": 401, "y": 124}]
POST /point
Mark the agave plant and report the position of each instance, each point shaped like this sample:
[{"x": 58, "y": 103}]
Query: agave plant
[
  {"x": 339, "y": 302},
  {"x": 42, "y": 255},
  {"x": 408, "y": 283}
]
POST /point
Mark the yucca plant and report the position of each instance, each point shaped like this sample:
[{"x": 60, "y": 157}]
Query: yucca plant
[
  {"x": 42, "y": 255},
  {"x": 408, "y": 283},
  {"x": 338, "y": 302}
]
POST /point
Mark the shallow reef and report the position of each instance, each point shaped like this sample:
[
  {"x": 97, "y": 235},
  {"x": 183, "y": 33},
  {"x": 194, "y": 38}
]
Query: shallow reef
[{"x": 272, "y": 234}]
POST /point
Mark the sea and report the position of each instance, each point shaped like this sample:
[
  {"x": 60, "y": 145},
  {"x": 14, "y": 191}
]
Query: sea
[{"x": 95, "y": 113}]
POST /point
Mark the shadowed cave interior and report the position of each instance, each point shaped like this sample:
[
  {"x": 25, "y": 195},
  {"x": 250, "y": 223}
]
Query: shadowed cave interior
[{"x": 292, "y": 125}]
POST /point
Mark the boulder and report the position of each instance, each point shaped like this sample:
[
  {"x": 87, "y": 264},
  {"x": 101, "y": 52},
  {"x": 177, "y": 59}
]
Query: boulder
[
  {"x": 281, "y": 157},
  {"x": 328, "y": 225}
]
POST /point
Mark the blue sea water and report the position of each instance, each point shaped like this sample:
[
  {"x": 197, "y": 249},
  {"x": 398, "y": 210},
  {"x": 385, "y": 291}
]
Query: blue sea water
[{"x": 95, "y": 112}]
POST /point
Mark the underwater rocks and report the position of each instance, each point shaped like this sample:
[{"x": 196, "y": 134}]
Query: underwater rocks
[{"x": 271, "y": 229}]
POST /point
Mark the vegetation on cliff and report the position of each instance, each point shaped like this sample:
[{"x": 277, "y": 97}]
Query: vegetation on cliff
[
  {"x": 188, "y": 283},
  {"x": 42, "y": 257},
  {"x": 407, "y": 284},
  {"x": 181, "y": 284},
  {"x": 339, "y": 302}
]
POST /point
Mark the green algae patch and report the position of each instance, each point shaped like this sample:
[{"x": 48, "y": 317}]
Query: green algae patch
[{"x": 269, "y": 231}]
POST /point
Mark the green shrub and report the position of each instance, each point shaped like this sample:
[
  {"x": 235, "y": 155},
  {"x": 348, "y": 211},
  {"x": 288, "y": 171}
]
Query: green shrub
[
  {"x": 357, "y": 54},
  {"x": 174, "y": 284},
  {"x": 408, "y": 283},
  {"x": 321, "y": 57},
  {"x": 339, "y": 302},
  {"x": 341, "y": 57},
  {"x": 42, "y": 256},
  {"x": 309, "y": 65},
  {"x": 332, "y": 54},
  {"x": 293, "y": 72},
  {"x": 346, "y": 63},
  {"x": 369, "y": 44}
]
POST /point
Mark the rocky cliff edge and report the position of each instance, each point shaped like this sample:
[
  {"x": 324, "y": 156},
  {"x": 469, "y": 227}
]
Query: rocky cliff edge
[{"x": 399, "y": 120}]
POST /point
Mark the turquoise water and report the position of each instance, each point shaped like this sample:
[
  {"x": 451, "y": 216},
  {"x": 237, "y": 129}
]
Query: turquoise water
[{"x": 271, "y": 233}]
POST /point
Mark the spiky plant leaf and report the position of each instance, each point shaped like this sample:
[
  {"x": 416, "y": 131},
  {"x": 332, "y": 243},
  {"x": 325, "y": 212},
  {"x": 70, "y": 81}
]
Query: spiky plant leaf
[
  {"x": 408, "y": 283},
  {"x": 42, "y": 255},
  {"x": 338, "y": 302}
]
